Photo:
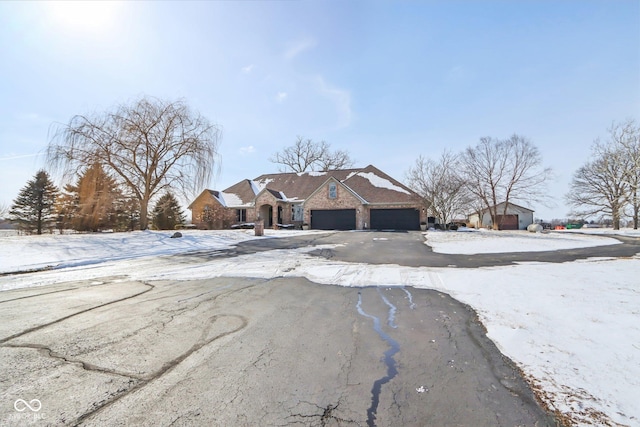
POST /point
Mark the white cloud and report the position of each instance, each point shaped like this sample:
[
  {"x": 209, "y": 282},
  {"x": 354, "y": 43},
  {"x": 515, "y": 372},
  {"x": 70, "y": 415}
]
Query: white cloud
[
  {"x": 247, "y": 150},
  {"x": 248, "y": 68},
  {"x": 281, "y": 96},
  {"x": 296, "y": 48},
  {"x": 340, "y": 97}
]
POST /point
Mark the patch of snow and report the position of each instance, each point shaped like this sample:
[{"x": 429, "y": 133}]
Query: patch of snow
[
  {"x": 261, "y": 185},
  {"x": 378, "y": 181},
  {"x": 486, "y": 241},
  {"x": 350, "y": 175},
  {"x": 312, "y": 173},
  {"x": 603, "y": 231},
  {"x": 230, "y": 200},
  {"x": 254, "y": 187}
]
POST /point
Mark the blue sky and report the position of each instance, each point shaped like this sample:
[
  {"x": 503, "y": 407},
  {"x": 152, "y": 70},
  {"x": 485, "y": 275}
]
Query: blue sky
[{"x": 386, "y": 81}]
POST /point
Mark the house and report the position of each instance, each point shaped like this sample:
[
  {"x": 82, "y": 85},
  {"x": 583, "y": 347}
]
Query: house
[
  {"x": 516, "y": 218},
  {"x": 345, "y": 199}
]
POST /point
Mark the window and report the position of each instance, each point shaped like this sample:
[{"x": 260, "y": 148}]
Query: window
[
  {"x": 333, "y": 190},
  {"x": 241, "y": 215}
]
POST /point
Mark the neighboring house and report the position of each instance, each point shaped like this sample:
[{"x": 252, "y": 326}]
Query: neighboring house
[
  {"x": 347, "y": 199},
  {"x": 516, "y": 218}
]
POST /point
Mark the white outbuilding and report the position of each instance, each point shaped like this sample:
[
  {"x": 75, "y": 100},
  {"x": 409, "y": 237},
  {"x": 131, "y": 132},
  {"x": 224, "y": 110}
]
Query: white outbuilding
[{"x": 516, "y": 218}]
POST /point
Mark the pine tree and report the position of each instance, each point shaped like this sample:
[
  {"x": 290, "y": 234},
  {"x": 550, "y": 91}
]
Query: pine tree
[
  {"x": 33, "y": 209},
  {"x": 167, "y": 213},
  {"x": 128, "y": 214},
  {"x": 92, "y": 203},
  {"x": 66, "y": 208}
]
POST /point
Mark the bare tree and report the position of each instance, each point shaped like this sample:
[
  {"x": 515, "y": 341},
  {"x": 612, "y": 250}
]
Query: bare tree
[
  {"x": 333, "y": 160},
  {"x": 150, "y": 145},
  {"x": 442, "y": 189},
  {"x": 598, "y": 188},
  {"x": 4, "y": 210},
  {"x": 308, "y": 155},
  {"x": 625, "y": 138},
  {"x": 608, "y": 183},
  {"x": 507, "y": 171}
]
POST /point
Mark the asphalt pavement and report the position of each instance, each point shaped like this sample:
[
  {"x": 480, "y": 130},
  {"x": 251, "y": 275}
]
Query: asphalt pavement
[{"x": 247, "y": 352}]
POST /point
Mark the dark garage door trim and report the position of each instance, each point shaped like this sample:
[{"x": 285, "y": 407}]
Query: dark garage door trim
[
  {"x": 333, "y": 219},
  {"x": 395, "y": 219}
]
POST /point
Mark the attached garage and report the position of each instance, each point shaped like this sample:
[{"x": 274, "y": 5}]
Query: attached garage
[
  {"x": 507, "y": 222},
  {"x": 333, "y": 219},
  {"x": 395, "y": 219}
]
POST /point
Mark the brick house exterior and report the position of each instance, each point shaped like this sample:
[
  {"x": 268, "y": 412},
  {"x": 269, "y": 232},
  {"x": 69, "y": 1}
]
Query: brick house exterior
[{"x": 339, "y": 199}]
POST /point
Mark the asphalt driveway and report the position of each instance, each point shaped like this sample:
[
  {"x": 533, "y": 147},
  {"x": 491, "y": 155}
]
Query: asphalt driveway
[
  {"x": 247, "y": 352},
  {"x": 408, "y": 249}
]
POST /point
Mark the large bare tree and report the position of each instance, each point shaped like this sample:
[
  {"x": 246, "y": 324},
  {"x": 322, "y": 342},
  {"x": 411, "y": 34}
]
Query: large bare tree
[
  {"x": 150, "y": 145},
  {"x": 598, "y": 188},
  {"x": 609, "y": 182},
  {"x": 441, "y": 187},
  {"x": 504, "y": 170},
  {"x": 625, "y": 137},
  {"x": 307, "y": 155}
]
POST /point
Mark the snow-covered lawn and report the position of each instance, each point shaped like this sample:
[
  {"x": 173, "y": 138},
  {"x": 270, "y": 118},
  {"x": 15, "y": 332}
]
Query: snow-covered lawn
[
  {"x": 573, "y": 328},
  {"x": 470, "y": 241},
  {"x": 24, "y": 253}
]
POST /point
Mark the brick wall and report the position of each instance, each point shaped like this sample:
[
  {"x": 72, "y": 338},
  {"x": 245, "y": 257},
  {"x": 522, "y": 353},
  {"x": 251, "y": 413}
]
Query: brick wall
[
  {"x": 208, "y": 214},
  {"x": 344, "y": 200},
  {"x": 267, "y": 199}
]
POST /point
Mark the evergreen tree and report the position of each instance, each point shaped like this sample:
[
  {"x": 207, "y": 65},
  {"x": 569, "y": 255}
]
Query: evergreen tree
[
  {"x": 33, "y": 209},
  {"x": 66, "y": 208},
  {"x": 92, "y": 203},
  {"x": 128, "y": 214},
  {"x": 167, "y": 213}
]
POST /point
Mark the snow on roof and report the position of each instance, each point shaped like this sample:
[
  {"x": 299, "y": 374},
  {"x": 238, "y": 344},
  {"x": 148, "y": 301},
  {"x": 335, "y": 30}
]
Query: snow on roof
[
  {"x": 261, "y": 185},
  {"x": 350, "y": 175},
  {"x": 229, "y": 199},
  {"x": 254, "y": 187},
  {"x": 380, "y": 182},
  {"x": 311, "y": 173}
]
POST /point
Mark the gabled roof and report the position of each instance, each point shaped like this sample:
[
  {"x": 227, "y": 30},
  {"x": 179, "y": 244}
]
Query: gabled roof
[
  {"x": 375, "y": 186},
  {"x": 356, "y": 195},
  {"x": 299, "y": 186},
  {"x": 501, "y": 206},
  {"x": 369, "y": 183},
  {"x": 240, "y": 194}
]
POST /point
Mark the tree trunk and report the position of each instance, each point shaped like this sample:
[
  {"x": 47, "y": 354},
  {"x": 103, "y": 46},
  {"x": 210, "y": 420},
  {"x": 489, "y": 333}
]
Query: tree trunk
[
  {"x": 39, "y": 222},
  {"x": 616, "y": 218},
  {"x": 636, "y": 208},
  {"x": 39, "y": 213},
  {"x": 494, "y": 218},
  {"x": 144, "y": 206}
]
